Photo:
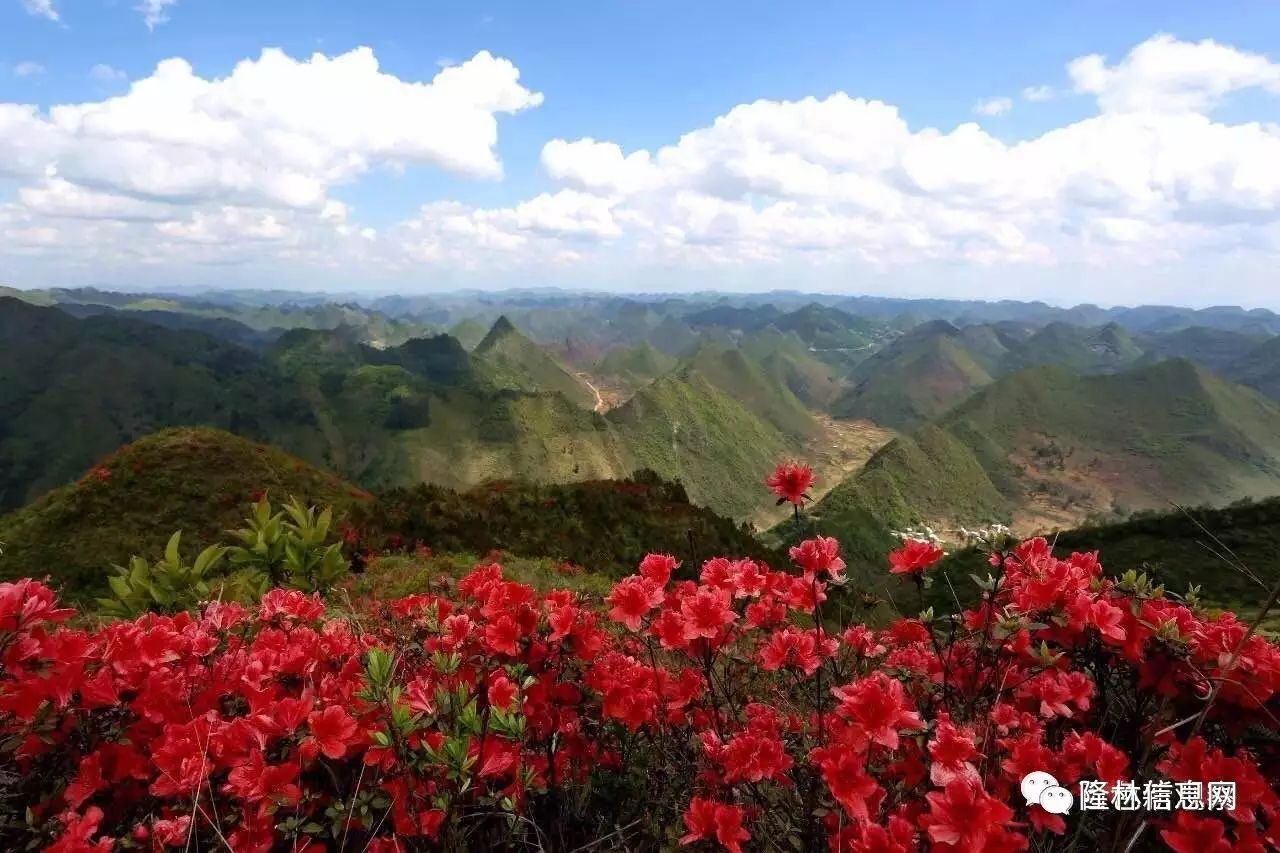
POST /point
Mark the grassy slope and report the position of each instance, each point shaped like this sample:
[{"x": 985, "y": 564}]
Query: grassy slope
[
  {"x": 469, "y": 333},
  {"x": 197, "y": 480},
  {"x": 735, "y": 373},
  {"x": 787, "y": 360},
  {"x": 541, "y": 437},
  {"x": 687, "y": 429},
  {"x": 914, "y": 379},
  {"x": 511, "y": 361}
]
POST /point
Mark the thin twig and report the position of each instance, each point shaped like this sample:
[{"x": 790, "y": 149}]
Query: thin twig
[{"x": 604, "y": 838}]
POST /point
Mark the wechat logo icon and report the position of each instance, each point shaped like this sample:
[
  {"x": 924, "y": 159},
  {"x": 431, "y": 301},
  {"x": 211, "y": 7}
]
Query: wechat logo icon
[{"x": 1042, "y": 789}]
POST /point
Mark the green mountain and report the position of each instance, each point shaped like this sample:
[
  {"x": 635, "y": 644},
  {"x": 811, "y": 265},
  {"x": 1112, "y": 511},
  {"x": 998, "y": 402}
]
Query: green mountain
[
  {"x": 427, "y": 410},
  {"x": 1046, "y": 447},
  {"x": 389, "y": 420},
  {"x": 791, "y": 363},
  {"x": 1259, "y": 368},
  {"x": 511, "y": 361},
  {"x": 1103, "y": 349},
  {"x": 634, "y": 365},
  {"x": 1216, "y": 349},
  {"x": 73, "y": 390},
  {"x": 196, "y": 480},
  {"x": 937, "y": 365},
  {"x": 825, "y": 328},
  {"x": 469, "y": 333},
  {"x": 917, "y": 377},
  {"x": 685, "y": 428},
  {"x": 732, "y": 371}
]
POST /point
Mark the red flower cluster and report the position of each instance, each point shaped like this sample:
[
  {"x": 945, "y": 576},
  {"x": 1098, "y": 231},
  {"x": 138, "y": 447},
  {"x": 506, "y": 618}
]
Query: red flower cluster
[{"x": 716, "y": 712}]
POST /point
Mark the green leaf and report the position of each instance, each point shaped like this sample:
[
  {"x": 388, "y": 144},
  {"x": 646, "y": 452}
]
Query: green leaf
[{"x": 171, "y": 550}]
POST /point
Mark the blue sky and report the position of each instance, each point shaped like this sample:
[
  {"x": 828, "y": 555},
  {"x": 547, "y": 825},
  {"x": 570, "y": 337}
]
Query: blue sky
[{"x": 641, "y": 75}]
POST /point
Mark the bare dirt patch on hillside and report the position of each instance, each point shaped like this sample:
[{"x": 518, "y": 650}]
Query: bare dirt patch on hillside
[{"x": 1067, "y": 486}]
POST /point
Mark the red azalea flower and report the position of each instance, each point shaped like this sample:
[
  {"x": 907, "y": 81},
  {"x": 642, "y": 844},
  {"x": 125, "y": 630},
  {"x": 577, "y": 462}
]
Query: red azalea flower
[
  {"x": 333, "y": 730},
  {"x": 78, "y": 830},
  {"x": 707, "y": 818},
  {"x": 502, "y": 692},
  {"x": 1191, "y": 834},
  {"x": 845, "y": 772},
  {"x": 632, "y": 599},
  {"x": 503, "y": 636},
  {"x": 657, "y": 568},
  {"x": 791, "y": 481},
  {"x": 914, "y": 557},
  {"x": 965, "y": 816},
  {"x": 700, "y": 819},
  {"x": 1107, "y": 618},
  {"x": 729, "y": 829},
  {"x": 879, "y": 706},
  {"x": 820, "y": 554},
  {"x": 705, "y": 613},
  {"x": 793, "y": 647}
]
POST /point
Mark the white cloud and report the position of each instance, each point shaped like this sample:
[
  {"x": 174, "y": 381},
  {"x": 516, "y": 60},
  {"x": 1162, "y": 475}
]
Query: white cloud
[
  {"x": 1037, "y": 94},
  {"x": 1166, "y": 75},
  {"x": 41, "y": 9},
  {"x": 54, "y": 197},
  {"x": 104, "y": 73},
  {"x": 993, "y": 106},
  {"x": 28, "y": 69},
  {"x": 595, "y": 166},
  {"x": 154, "y": 12},
  {"x": 827, "y": 191},
  {"x": 276, "y": 131},
  {"x": 846, "y": 179}
]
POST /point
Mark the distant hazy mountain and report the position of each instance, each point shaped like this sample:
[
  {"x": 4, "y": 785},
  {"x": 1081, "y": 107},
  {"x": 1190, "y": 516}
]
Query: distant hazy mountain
[{"x": 635, "y": 365}]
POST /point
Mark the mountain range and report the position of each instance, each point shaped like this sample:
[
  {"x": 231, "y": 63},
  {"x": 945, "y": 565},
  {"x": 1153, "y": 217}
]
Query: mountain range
[{"x": 1017, "y": 412}]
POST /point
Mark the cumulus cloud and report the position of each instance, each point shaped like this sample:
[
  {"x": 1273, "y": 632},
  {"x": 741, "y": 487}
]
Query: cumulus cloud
[
  {"x": 1164, "y": 74},
  {"x": 276, "y": 131},
  {"x": 154, "y": 12},
  {"x": 28, "y": 69},
  {"x": 993, "y": 106},
  {"x": 41, "y": 9},
  {"x": 242, "y": 168},
  {"x": 1152, "y": 175}
]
